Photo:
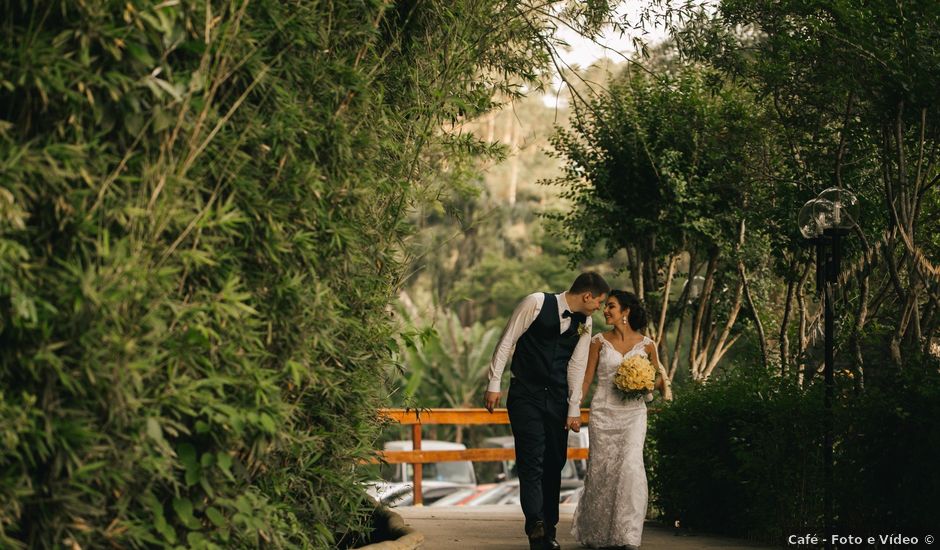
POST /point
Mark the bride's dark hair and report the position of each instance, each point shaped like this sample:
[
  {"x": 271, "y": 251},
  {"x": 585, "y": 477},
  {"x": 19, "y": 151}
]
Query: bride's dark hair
[{"x": 628, "y": 300}]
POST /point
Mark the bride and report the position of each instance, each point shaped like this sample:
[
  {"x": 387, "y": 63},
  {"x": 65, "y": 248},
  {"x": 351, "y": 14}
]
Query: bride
[{"x": 612, "y": 508}]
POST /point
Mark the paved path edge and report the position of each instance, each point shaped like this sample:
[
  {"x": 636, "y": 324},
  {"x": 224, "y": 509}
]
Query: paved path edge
[{"x": 405, "y": 538}]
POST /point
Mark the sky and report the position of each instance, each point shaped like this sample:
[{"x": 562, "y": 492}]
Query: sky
[{"x": 584, "y": 52}]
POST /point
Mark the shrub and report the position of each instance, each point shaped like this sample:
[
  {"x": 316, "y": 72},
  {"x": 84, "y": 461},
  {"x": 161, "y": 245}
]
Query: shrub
[
  {"x": 742, "y": 455},
  {"x": 190, "y": 265},
  {"x": 201, "y": 205},
  {"x": 888, "y": 451}
]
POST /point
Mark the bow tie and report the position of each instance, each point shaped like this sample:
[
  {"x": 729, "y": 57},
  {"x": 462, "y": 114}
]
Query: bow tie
[{"x": 567, "y": 314}]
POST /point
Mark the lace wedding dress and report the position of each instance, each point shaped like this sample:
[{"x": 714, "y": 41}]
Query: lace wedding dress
[{"x": 612, "y": 506}]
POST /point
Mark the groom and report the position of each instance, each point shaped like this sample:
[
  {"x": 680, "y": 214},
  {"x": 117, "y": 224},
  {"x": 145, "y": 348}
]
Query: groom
[{"x": 551, "y": 334}]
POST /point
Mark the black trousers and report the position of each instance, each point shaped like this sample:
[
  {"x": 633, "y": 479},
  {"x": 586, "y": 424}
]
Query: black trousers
[{"x": 537, "y": 416}]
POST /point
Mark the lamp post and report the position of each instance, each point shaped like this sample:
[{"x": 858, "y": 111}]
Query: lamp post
[{"x": 825, "y": 220}]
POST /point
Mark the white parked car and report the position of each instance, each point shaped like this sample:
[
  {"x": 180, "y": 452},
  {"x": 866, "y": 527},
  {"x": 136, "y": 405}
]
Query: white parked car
[
  {"x": 572, "y": 475},
  {"x": 437, "y": 480}
]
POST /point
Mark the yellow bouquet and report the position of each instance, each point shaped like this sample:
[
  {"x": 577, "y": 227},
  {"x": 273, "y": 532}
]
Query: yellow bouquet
[{"x": 635, "y": 376}]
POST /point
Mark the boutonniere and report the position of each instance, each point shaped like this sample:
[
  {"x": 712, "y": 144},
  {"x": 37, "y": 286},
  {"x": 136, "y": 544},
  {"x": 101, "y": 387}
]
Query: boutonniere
[{"x": 582, "y": 329}]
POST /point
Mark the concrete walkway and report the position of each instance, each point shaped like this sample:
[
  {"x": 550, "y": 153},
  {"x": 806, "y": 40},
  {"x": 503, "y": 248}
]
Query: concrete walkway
[{"x": 499, "y": 527}]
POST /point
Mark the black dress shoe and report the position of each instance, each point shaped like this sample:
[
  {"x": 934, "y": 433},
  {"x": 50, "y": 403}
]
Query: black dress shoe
[
  {"x": 537, "y": 536},
  {"x": 550, "y": 542}
]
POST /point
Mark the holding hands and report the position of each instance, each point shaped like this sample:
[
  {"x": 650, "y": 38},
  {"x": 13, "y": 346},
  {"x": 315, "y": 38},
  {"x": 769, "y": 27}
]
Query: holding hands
[{"x": 573, "y": 423}]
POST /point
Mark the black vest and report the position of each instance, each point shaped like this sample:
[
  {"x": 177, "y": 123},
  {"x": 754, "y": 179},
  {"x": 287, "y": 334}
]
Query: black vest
[{"x": 542, "y": 354}]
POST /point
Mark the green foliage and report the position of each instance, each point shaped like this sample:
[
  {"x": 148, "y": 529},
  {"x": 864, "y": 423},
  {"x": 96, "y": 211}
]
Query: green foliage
[
  {"x": 752, "y": 110},
  {"x": 446, "y": 365},
  {"x": 742, "y": 455},
  {"x": 495, "y": 284},
  {"x": 888, "y": 452},
  {"x": 201, "y": 212},
  {"x": 852, "y": 87},
  {"x": 663, "y": 166},
  {"x": 660, "y": 160},
  {"x": 186, "y": 323},
  {"x": 887, "y": 52},
  {"x": 481, "y": 260}
]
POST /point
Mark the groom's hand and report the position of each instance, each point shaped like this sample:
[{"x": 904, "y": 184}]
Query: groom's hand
[
  {"x": 573, "y": 424},
  {"x": 491, "y": 400}
]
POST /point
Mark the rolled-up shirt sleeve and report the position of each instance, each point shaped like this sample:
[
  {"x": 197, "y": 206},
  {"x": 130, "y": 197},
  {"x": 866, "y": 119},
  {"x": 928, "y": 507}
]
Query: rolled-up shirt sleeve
[
  {"x": 577, "y": 366},
  {"x": 521, "y": 320}
]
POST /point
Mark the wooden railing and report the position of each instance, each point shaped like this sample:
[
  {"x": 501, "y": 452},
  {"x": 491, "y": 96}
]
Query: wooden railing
[{"x": 416, "y": 418}]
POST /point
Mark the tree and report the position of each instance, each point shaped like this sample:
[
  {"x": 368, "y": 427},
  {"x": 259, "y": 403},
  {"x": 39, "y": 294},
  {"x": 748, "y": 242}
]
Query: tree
[
  {"x": 853, "y": 85},
  {"x": 659, "y": 167}
]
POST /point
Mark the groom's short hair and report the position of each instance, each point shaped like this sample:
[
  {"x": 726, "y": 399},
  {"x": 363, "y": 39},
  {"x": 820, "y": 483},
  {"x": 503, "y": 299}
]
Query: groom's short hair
[{"x": 590, "y": 281}]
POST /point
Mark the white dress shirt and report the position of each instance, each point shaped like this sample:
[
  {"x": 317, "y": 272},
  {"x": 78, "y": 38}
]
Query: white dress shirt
[{"x": 522, "y": 318}]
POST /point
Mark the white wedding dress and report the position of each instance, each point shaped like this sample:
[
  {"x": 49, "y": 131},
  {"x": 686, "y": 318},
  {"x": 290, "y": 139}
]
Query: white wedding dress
[{"x": 612, "y": 506}]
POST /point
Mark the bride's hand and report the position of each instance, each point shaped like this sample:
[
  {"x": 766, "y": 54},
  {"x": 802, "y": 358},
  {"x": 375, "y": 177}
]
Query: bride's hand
[{"x": 573, "y": 424}]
